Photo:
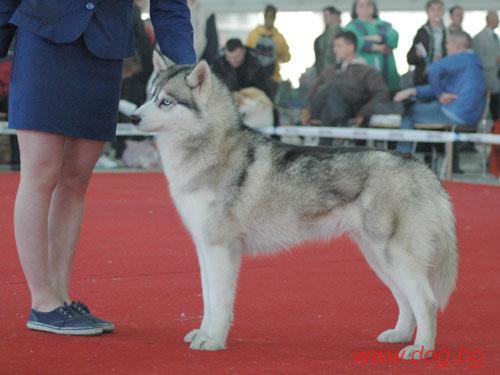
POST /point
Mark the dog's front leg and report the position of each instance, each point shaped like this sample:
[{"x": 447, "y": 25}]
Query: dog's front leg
[
  {"x": 219, "y": 272},
  {"x": 204, "y": 288}
]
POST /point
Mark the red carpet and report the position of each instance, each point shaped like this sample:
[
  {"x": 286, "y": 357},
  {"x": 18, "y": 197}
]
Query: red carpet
[{"x": 312, "y": 311}]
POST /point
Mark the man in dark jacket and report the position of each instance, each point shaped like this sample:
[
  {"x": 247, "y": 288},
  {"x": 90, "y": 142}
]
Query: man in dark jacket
[
  {"x": 238, "y": 67},
  {"x": 323, "y": 50},
  {"x": 350, "y": 91},
  {"x": 429, "y": 44}
]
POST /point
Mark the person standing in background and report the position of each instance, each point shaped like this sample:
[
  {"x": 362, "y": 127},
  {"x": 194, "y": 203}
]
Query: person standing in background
[
  {"x": 457, "y": 18},
  {"x": 270, "y": 45},
  {"x": 429, "y": 44},
  {"x": 198, "y": 20},
  {"x": 323, "y": 50},
  {"x": 487, "y": 45},
  {"x": 134, "y": 86},
  {"x": 272, "y": 50},
  {"x": 376, "y": 40},
  {"x": 205, "y": 35}
]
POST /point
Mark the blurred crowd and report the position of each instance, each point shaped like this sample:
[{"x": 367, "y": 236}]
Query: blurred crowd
[
  {"x": 354, "y": 77},
  {"x": 453, "y": 78},
  {"x": 337, "y": 67}
]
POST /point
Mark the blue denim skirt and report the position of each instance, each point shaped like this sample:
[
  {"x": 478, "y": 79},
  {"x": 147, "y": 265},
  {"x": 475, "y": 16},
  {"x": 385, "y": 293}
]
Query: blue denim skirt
[{"x": 63, "y": 89}]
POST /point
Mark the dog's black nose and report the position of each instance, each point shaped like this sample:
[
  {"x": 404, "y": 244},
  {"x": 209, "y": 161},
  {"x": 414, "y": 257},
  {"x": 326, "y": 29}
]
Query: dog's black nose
[{"x": 134, "y": 119}]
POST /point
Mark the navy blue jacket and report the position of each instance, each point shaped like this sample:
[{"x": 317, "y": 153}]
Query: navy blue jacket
[
  {"x": 106, "y": 25},
  {"x": 460, "y": 74}
]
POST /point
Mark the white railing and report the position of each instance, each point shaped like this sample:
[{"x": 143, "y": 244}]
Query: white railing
[{"x": 428, "y": 136}]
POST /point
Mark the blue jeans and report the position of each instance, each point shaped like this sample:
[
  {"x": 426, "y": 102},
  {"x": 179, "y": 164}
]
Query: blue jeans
[{"x": 425, "y": 113}]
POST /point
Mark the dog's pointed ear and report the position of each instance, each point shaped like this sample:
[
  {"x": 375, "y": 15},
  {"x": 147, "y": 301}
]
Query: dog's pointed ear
[
  {"x": 200, "y": 77},
  {"x": 161, "y": 62}
]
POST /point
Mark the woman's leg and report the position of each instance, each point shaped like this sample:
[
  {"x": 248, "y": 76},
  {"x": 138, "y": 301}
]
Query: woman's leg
[
  {"x": 41, "y": 161},
  {"x": 66, "y": 209}
]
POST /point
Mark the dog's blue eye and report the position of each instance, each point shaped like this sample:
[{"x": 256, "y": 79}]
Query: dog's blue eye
[{"x": 166, "y": 102}]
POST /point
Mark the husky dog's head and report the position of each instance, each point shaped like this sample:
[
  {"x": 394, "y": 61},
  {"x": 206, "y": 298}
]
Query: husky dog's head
[{"x": 181, "y": 98}]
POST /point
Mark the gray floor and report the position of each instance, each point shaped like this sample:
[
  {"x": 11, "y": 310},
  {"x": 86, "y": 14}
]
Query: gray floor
[{"x": 472, "y": 165}]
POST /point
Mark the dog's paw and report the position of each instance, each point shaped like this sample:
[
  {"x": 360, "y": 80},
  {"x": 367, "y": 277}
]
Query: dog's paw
[
  {"x": 391, "y": 335},
  {"x": 202, "y": 341},
  {"x": 191, "y": 335},
  {"x": 416, "y": 352}
]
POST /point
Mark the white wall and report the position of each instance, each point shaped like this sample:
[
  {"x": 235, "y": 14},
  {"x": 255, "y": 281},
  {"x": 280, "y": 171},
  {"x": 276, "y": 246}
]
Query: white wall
[{"x": 232, "y": 6}]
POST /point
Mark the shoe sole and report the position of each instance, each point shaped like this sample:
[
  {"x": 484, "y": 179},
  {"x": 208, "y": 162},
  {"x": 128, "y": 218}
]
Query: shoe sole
[
  {"x": 74, "y": 332},
  {"x": 108, "y": 328}
]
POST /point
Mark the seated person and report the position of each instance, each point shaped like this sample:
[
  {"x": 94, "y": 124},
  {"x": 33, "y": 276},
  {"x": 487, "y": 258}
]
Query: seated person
[
  {"x": 239, "y": 68},
  {"x": 349, "y": 92},
  {"x": 455, "y": 94}
]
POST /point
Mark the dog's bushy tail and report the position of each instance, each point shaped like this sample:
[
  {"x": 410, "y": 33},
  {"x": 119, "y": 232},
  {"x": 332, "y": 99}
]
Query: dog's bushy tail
[{"x": 444, "y": 273}]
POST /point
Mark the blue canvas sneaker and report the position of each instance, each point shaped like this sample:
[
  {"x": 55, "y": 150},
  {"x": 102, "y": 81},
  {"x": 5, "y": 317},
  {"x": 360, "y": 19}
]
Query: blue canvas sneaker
[
  {"x": 83, "y": 311},
  {"x": 62, "y": 320}
]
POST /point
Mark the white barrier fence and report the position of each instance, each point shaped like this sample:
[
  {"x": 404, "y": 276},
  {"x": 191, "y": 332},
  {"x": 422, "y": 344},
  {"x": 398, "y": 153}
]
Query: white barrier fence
[{"x": 427, "y": 136}]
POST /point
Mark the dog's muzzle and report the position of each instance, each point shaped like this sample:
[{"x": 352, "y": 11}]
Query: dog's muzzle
[{"x": 136, "y": 120}]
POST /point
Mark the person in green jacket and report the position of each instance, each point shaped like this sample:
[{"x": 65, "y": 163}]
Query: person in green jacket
[{"x": 376, "y": 40}]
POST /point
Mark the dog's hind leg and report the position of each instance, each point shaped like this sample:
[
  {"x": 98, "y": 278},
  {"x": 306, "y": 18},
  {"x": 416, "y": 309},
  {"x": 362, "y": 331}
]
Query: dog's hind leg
[
  {"x": 405, "y": 325},
  {"x": 412, "y": 280},
  {"x": 221, "y": 266}
]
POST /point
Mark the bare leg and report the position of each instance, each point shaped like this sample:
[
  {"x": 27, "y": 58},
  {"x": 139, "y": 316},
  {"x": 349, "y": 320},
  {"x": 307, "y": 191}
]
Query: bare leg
[
  {"x": 41, "y": 160},
  {"x": 66, "y": 209}
]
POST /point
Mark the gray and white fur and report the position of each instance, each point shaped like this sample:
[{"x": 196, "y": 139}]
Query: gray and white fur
[{"x": 240, "y": 191}]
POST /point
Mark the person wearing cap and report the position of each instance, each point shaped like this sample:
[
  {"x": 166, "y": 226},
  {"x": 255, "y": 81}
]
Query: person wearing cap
[{"x": 271, "y": 46}]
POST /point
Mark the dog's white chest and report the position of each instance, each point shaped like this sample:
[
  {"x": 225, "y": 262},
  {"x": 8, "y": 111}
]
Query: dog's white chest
[{"x": 194, "y": 208}]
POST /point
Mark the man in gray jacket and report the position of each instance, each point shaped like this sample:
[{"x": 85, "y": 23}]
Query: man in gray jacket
[{"x": 487, "y": 45}]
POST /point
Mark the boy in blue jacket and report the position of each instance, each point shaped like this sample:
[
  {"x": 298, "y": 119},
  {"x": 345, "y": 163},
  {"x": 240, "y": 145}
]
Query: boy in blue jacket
[{"x": 455, "y": 94}]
